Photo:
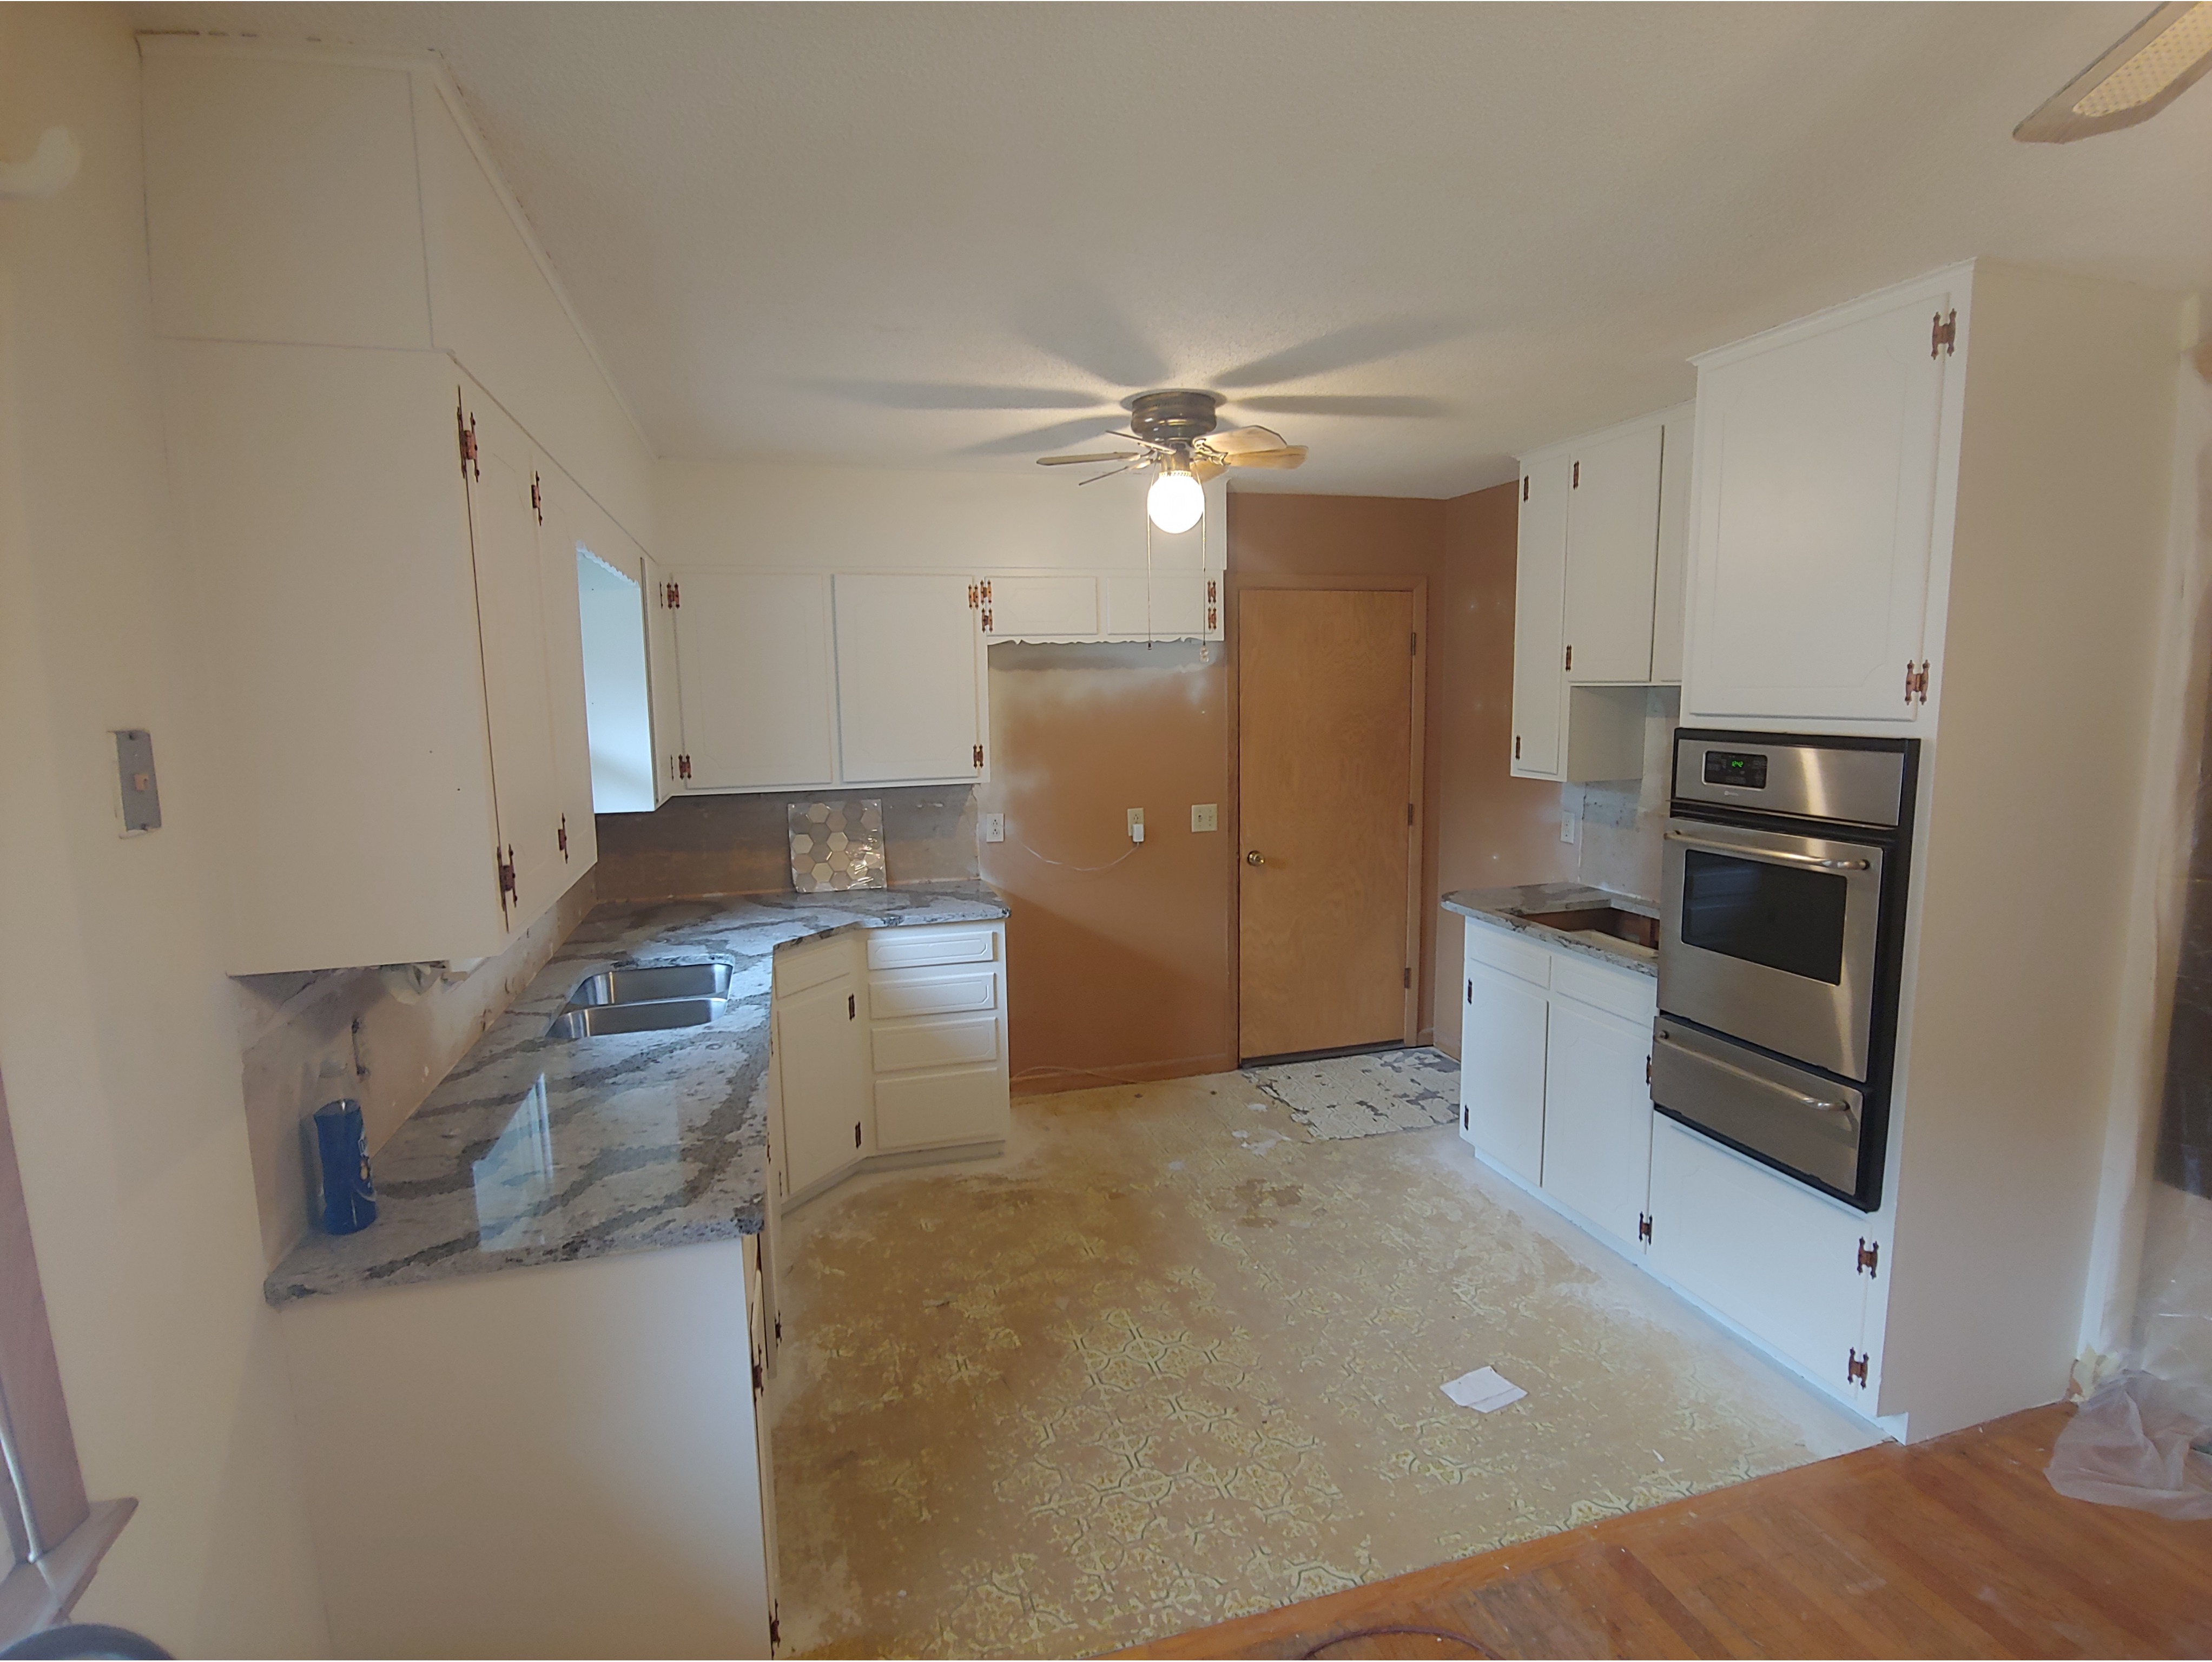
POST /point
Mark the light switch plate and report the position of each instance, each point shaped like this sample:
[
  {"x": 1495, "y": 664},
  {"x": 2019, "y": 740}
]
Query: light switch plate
[
  {"x": 994, "y": 828},
  {"x": 1204, "y": 816},
  {"x": 138, "y": 796}
]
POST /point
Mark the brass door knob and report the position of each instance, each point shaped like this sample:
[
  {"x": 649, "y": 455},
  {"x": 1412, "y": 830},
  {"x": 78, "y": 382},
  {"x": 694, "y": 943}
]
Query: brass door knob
[{"x": 1253, "y": 857}]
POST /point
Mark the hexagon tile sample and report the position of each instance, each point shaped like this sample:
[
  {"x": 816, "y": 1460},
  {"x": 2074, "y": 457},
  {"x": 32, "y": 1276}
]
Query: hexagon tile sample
[{"x": 837, "y": 845}]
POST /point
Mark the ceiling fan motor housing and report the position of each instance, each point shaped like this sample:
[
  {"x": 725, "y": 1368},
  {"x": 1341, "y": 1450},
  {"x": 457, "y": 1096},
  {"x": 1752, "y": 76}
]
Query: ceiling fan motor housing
[{"x": 1179, "y": 415}]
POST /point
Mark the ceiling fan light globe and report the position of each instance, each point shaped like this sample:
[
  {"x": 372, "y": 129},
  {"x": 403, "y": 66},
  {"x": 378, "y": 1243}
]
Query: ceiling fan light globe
[{"x": 1175, "y": 502}]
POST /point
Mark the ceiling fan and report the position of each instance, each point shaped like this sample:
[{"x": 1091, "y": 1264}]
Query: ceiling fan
[{"x": 1173, "y": 430}]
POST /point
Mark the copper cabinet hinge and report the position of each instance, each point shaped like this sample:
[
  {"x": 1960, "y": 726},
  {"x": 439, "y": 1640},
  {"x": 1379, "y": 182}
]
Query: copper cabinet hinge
[
  {"x": 1855, "y": 1369},
  {"x": 1577, "y": 483},
  {"x": 979, "y": 755},
  {"x": 1524, "y": 487},
  {"x": 1470, "y": 989},
  {"x": 1916, "y": 681},
  {"x": 509, "y": 890},
  {"x": 852, "y": 1006},
  {"x": 1570, "y": 657},
  {"x": 1409, "y": 977},
  {"x": 975, "y": 597},
  {"x": 672, "y": 596},
  {"x": 1643, "y": 1227},
  {"x": 1944, "y": 337},
  {"x": 856, "y": 1134},
  {"x": 537, "y": 496},
  {"x": 683, "y": 766},
  {"x": 1517, "y": 746},
  {"x": 756, "y": 1378},
  {"x": 1869, "y": 1255},
  {"x": 467, "y": 423},
  {"x": 564, "y": 837}
]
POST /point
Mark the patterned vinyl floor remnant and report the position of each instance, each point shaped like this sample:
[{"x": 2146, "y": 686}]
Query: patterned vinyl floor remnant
[
  {"x": 1175, "y": 1359},
  {"x": 1364, "y": 1096}
]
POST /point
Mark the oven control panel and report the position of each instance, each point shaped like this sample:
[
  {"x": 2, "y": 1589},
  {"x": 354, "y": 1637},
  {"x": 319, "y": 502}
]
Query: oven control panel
[{"x": 1744, "y": 768}]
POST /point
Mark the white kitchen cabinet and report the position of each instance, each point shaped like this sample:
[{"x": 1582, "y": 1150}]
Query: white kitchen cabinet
[
  {"x": 526, "y": 770},
  {"x": 618, "y": 693},
  {"x": 1816, "y": 503},
  {"x": 1046, "y": 607},
  {"x": 558, "y": 502},
  {"x": 1597, "y": 1097},
  {"x": 1502, "y": 1059},
  {"x": 381, "y": 692},
  {"x": 909, "y": 679},
  {"x": 1781, "y": 1261},
  {"x": 663, "y": 681},
  {"x": 820, "y": 1060},
  {"x": 937, "y": 1010},
  {"x": 1540, "y": 569},
  {"x": 1612, "y": 557},
  {"x": 329, "y": 198},
  {"x": 1597, "y": 604},
  {"x": 754, "y": 662}
]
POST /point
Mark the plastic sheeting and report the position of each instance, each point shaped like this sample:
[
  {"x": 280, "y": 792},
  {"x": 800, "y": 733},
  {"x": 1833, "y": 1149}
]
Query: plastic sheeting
[{"x": 2133, "y": 1443}]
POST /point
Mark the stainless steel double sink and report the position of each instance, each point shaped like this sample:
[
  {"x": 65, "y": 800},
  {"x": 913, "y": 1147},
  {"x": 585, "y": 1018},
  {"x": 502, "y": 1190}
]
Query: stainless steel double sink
[{"x": 648, "y": 999}]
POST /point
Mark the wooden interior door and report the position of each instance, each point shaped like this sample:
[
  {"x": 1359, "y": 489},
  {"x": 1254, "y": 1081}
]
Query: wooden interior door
[{"x": 1326, "y": 697}]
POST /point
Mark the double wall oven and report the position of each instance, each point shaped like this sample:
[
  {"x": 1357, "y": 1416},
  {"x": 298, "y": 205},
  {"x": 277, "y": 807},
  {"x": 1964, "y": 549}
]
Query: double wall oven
[{"x": 1781, "y": 918}]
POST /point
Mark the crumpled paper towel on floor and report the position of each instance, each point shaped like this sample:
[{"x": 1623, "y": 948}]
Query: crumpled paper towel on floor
[{"x": 2138, "y": 1441}]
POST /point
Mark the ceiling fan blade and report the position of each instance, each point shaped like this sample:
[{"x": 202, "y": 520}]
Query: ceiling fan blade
[
  {"x": 1204, "y": 467},
  {"x": 1237, "y": 440},
  {"x": 2151, "y": 66},
  {"x": 1290, "y": 455},
  {"x": 1094, "y": 456},
  {"x": 1141, "y": 463},
  {"x": 1088, "y": 430}
]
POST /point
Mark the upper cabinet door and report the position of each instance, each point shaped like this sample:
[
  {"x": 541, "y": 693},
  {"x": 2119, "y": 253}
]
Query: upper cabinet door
[
  {"x": 1540, "y": 692},
  {"x": 559, "y": 536},
  {"x": 525, "y": 770},
  {"x": 1612, "y": 540},
  {"x": 1815, "y": 496},
  {"x": 661, "y": 679},
  {"x": 1670, "y": 590},
  {"x": 753, "y": 661},
  {"x": 909, "y": 680}
]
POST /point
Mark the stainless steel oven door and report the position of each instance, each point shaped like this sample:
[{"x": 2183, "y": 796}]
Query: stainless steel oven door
[{"x": 1769, "y": 936}]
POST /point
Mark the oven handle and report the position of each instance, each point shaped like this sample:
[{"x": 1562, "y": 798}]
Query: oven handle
[
  {"x": 1821, "y": 1103},
  {"x": 1741, "y": 852}
]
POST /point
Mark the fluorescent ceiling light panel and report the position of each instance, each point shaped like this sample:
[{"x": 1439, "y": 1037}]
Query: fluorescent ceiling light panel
[{"x": 2152, "y": 66}]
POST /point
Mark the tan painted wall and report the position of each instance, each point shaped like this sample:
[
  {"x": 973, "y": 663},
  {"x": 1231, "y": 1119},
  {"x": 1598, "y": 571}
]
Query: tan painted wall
[
  {"x": 115, "y": 1031},
  {"x": 1126, "y": 972},
  {"x": 1493, "y": 829}
]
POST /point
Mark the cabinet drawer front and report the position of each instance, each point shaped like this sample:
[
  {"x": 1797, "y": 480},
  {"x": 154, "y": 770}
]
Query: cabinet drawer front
[
  {"x": 901, "y": 949},
  {"x": 890, "y": 997},
  {"x": 810, "y": 966},
  {"x": 1516, "y": 954},
  {"x": 937, "y": 1043},
  {"x": 920, "y": 1110},
  {"x": 1628, "y": 995}
]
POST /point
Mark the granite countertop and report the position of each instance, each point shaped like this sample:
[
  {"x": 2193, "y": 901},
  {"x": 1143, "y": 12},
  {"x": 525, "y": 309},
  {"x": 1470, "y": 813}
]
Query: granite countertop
[
  {"x": 1509, "y": 909},
  {"x": 538, "y": 1150}
]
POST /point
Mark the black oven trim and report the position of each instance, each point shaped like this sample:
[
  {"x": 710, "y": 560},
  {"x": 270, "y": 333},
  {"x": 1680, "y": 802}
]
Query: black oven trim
[{"x": 1889, "y": 938}]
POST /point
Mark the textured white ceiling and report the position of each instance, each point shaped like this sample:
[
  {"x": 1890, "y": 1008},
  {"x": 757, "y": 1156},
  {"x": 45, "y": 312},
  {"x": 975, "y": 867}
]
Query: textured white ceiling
[{"x": 1416, "y": 238}]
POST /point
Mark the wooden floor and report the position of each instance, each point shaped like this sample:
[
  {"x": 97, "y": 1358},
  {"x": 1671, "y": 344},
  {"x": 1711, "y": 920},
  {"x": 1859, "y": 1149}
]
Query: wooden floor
[{"x": 1955, "y": 1547}]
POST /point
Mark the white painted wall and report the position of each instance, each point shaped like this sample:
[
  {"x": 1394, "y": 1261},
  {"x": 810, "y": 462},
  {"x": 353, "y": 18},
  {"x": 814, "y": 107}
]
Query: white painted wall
[
  {"x": 117, "y": 1039},
  {"x": 764, "y": 515}
]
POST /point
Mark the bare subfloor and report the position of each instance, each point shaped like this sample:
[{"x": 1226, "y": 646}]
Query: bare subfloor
[{"x": 1171, "y": 1360}]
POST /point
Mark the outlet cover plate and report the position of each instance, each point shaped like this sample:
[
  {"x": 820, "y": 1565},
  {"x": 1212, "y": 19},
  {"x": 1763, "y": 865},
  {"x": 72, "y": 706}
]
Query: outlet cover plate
[{"x": 994, "y": 828}]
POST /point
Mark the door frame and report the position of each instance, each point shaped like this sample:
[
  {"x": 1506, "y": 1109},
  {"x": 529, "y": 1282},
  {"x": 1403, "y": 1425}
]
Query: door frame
[{"x": 1417, "y": 585}]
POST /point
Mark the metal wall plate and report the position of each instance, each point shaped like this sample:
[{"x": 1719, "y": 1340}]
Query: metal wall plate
[{"x": 139, "y": 793}]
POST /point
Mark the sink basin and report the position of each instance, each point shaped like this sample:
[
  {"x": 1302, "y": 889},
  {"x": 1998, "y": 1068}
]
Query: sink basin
[
  {"x": 650, "y": 999},
  {"x": 1631, "y": 927},
  {"x": 646, "y": 1016},
  {"x": 653, "y": 982}
]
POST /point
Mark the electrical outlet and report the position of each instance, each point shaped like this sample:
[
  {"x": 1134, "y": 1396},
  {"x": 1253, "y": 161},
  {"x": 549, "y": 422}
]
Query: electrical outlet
[
  {"x": 1204, "y": 816},
  {"x": 994, "y": 828},
  {"x": 1136, "y": 825},
  {"x": 1570, "y": 821}
]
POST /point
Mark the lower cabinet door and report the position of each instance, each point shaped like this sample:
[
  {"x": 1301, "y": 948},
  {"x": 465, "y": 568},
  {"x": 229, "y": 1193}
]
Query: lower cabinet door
[
  {"x": 1597, "y": 1116},
  {"x": 1771, "y": 1255},
  {"x": 924, "y": 1111},
  {"x": 819, "y": 1038},
  {"x": 1502, "y": 1070}
]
